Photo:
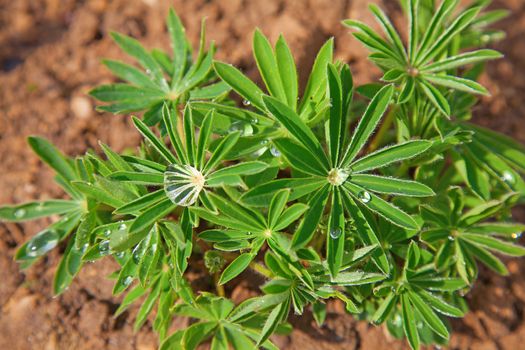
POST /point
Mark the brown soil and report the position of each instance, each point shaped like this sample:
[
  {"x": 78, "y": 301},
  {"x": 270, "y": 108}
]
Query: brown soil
[{"x": 50, "y": 58}]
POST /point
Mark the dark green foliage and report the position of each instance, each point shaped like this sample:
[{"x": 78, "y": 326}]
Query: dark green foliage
[{"x": 390, "y": 208}]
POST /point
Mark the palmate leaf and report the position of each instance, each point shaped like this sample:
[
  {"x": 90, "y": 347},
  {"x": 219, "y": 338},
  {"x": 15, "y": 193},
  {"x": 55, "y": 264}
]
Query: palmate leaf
[
  {"x": 170, "y": 79},
  {"x": 421, "y": 67}
]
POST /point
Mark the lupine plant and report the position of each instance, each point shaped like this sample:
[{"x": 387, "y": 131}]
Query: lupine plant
[{"x": 383, "y": 195}]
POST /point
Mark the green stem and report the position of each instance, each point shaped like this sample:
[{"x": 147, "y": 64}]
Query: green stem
[
  {"x": 218, "y": 287},
  {"x": 260, "y": 269},
  {"x": 380, "y": 135}
]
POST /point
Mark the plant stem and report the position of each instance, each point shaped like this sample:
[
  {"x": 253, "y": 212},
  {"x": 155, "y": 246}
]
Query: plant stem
[
  {"x": 260, "y": 269},
  {"x": 380, "y": 135},
  {"x": 218, "y": 287}
]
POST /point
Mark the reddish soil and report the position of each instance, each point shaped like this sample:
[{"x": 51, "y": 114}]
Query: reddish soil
[{"x": 50, "y": 58}]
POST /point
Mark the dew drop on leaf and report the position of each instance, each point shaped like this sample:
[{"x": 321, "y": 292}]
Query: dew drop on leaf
[
  {"x": 103, "y": 247},
  {"x": 255, "y": 121},
  {"x": 364, "y": 196},
  {"x": 246, "y": 102},
  {"x": 275, "y": 152},
  {"x": 122, "y": 227},
  {"x": 127, "y": 280},
  {"x": 451, "y": 238},
  {"x": 335, "y": 232},
  {"x": 42, "y": 243},
  {"x": 20, "y": 213},
  {"x": 183, "y": 183},
  {"x": 508, "y": 177},
  {"x": 107, "y": 232},
  {"x": 516, "y": 235}
]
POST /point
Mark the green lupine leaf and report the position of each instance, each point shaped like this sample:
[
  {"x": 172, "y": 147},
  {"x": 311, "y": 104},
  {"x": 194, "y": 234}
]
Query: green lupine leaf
[
  {"x": 240, "y": 83},
  {"x": 130, "y": 74},
  {"x": 391, "y": 154},
  {"x": 52, "y": 157},
  {"x": 389, "y": 30},
  {"x": 409, "y": 322},
  {"x": 498, "y": 228},
  {"x": 384, "y": 308},
  {"x": 35, "y": 210},
  {"x": 296, "y": 127},
  {"x": 461, "y": 60},
  {"x": 141, "y": 203},
  {"x": 368, "y": 122},
  {"x": 261, "y": 195},
  {"x": 222, "y": 149},
  {"x": 462, "y": 21},
  {"x": 311, "y": 218},
  {"x": 133, "y": 48},
  {"x": 246, "y": 168},
  {"x": 236, "y": 267},
  {"x": 494, "y": 244},
  {"x": 336, "y": 235},
  {"x": 287, "y": 71},
  {"x": 148, "y": 217},
  {"x": 337, "y": 121},
  {"x": 366, "y": 232},
  {"x": 277, "y": 206},
  {"x": 436, "y": 97},
  {"x": 154, "y": 140},
  {"x": 290, "y": 215},
  {"x": 138, "y": 177},
  {"x": 299, "y": 157},
  {"x": 440, "y": 305},
  {"x": 391, "y": 185},
  {"x": 383, "y": 208},
  {"x": 435, "y": 27},
  {"x": 316, "y": 81},
  {"x": 178, "y": 43},
  {"x": 453, "y": 82},
  {"x": 267, "y": 64},
  {"x": 487, "y": 258},
  {"x": 430, "y": 318},
  {"x": 276, "y": 316}
]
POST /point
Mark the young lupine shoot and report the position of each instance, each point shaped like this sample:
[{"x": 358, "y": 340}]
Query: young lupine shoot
[{"x": 389, "y": 208}]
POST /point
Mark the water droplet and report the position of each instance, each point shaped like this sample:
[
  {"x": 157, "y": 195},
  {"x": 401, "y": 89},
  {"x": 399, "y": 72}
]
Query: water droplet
[
  {"x": 393, "y": 289},
  {"x": 275, "y": 152},
  {"x": 120, "y": 255},
  {"x": 516, "y": 235},
  {"x": 103, "y": 247},
  {"x": 107, "y": 232},
  {"x": 508, "y": 177},
  {"x": 136, "y": 255},
  {"x": 451, "y": 238},
  {"x": 183, "y": 183},
  {"x": 40, "y": 207},
  {"x": 264, "y": 142},
  {"x": 364, "y": 196},
  {"x": 127, "y": 280},
  {"x": 255, "y": 121},
  {"x": 42, "y": 243},
  {"x": 20, "y": 213},
  {"x": 246, "y": 103},
  {"x": 122, "y": 227},
  {"x": 335, "y": 232},
  {"x": 84, "y": 248}
]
